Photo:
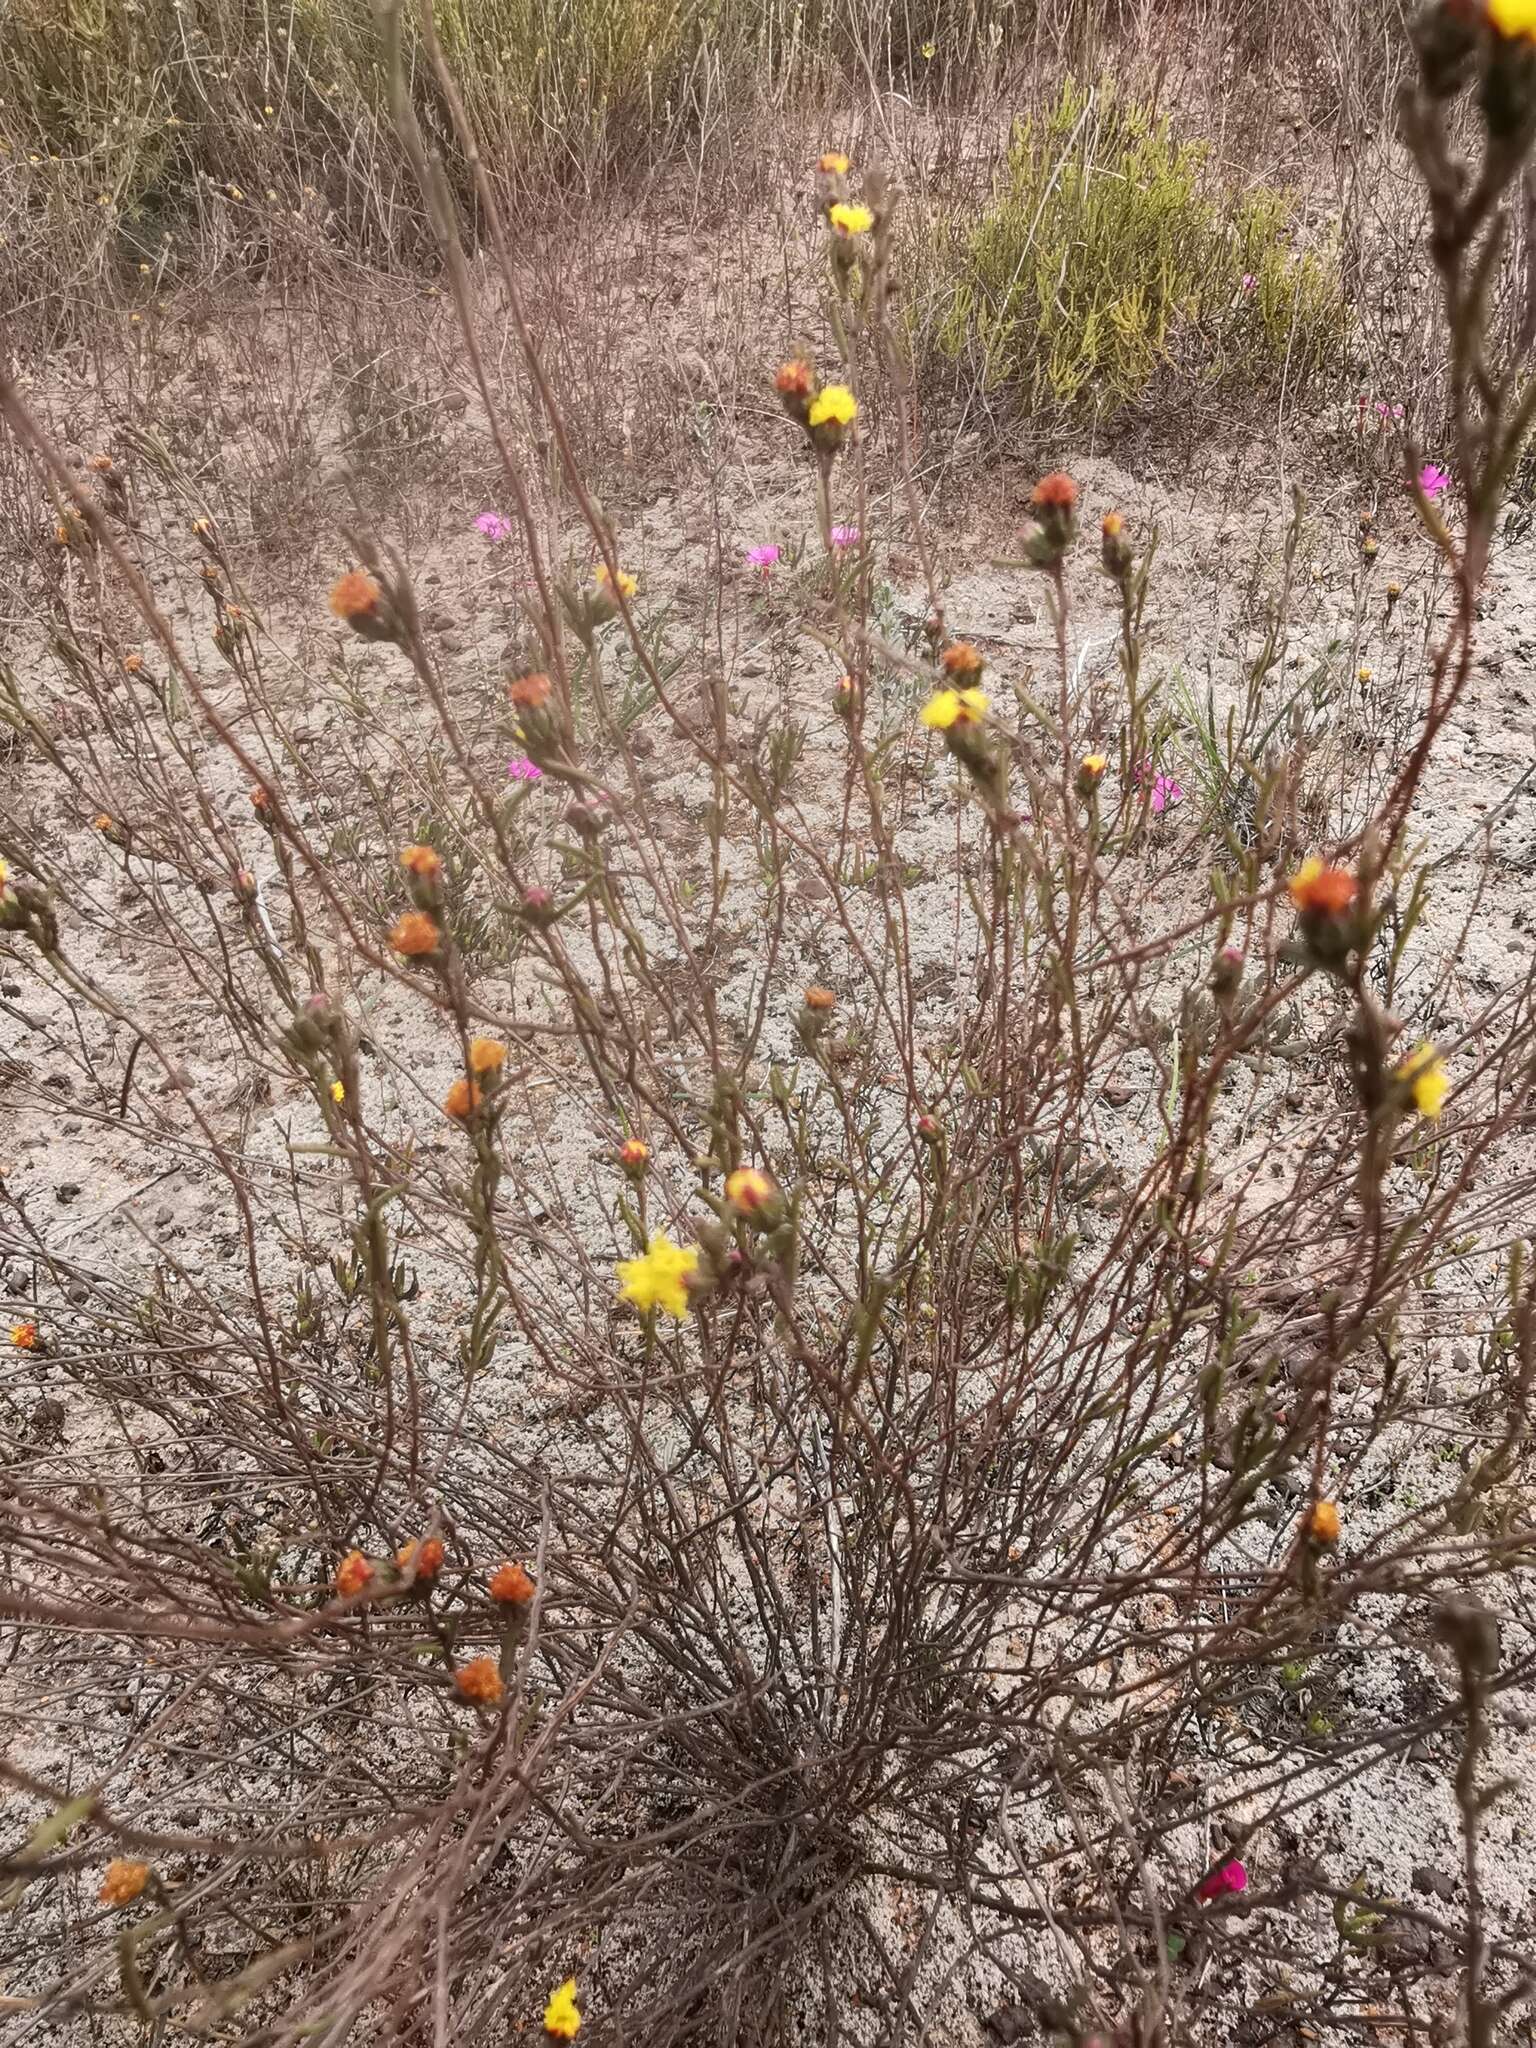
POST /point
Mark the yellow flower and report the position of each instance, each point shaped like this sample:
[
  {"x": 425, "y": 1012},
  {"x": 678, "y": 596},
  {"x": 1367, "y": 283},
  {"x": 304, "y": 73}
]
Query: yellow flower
[
  {"x": 1513, "y": 17},
  {"x": 562, "y": 2019},
  {"x": 946, "y": 708},
  {"x": 338, "y": 1091},
  {"x": 851, "y": 220},
  {"x": 1427, "y": 1079},
  {"x": 486, "y": 1055},
  {"x": 1095, "y": 764},
  {"x": 627, "y": 586},
  {"x": 930, "y": 51},
  {"x": 659, "y": 1279},
  {"x": 836, "y": 403}
]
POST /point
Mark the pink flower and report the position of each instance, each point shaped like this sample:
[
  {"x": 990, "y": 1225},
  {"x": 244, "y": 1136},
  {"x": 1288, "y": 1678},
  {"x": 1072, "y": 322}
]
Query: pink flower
[
  {"x": 521, "y": 769},
  {"x": 764, "y": 556},
  {"x": 494, "y": 527},
  {"x": 845, "y": 536},
  {"x": 1250, "y": 282},
  {"x": 1226, "y": 1877},
  {"x": 1165, "y": 791},
  {"x": 1433, "y": 480},
  {"x": 1388, "y": 412}
]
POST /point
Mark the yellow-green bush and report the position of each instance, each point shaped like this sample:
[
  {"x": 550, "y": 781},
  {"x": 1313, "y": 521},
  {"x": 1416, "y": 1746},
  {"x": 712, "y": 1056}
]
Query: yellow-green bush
[{"x": 1105, "y": 251}]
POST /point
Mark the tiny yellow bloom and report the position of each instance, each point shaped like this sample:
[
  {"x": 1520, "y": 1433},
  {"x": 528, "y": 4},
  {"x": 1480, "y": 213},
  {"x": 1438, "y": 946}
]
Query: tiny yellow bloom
[
  {"x": 1513, "y": 17},
  {"x": 851, "y": 220},
  {"x": 930, "y": 51},
  {"x": 338, "y": 1091},
  {"x": 1095, "y": 764},
  {"x": 626, "y": 585},
  {"x": 660, "y": 1278},
  {"x": 946, "y": 708},
  {"x": 1425, "y": 1075},
  {"x": 234, "y": 192},
  {"x": 1364, "y": 674},
  {"x": 562, "y": 2018},
  {"x": 836, "y": 402}
]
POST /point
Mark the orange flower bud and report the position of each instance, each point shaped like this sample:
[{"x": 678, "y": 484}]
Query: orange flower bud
[
  {"x": 819, "y": 998},
  {"x": 122, "y": 1881},
  {"x": 355, "y": 596},
  {"x": 423, "y": 861},
  {"x": 530, "y": 692},
  {"x": 462, "y": 1099},
  {"x": 633, "y": 1155},
  {"x": 479, "y": 1682},
  {"x": 415, "y": 934},
  {"x": 486, "y": 1055},
  {"x": 510, "y": 1586},
  {"x": 424, "y": 1560},
  {"x": 353, "y": 1574}
]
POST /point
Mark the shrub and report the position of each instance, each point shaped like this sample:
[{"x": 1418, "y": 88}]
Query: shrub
[
  {"x": 1104, "y": 254},
  {"x": 739, "y": 1465}
]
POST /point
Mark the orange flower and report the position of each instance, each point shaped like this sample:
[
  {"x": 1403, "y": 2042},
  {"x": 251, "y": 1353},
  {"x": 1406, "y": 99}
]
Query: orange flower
[
  {"x": 353, "y": 1574},
  {"x": 122, "y": 1882},
  {"x": 132, "y": 663},
  {"x": 26, "y": 1337},
  {"x": 530, "y": 692},
  {"x": 261, "y": 800},
  {"x": 1322, "y": 891},
  {"x": 100, "y": 463},
  {"x": 819, "y": 998},
  {"x": 749, "y": 1192},
  {"x": 794, "y": 379},
  {"x": 102, "y": 821},
  {"x": 1055, "y": 492},
  {"x": 424, "y": 1559},
  {"x": 1323, "y": 1523},
  {"x": 510, "y": 1586},
  {"x": 462, "y": 1098},
  {"x": 479, "y": 1682},
  {"x": 833, "y": 163},
  {"x": 961, "y": 660},
  {"x": 415, "y": 933},
  {"x": 424, "y": 861},
  {"x": 486, "y": 1055},
  {"x": 633, "y": 1154},
  {"x": 355, "y": 596}
]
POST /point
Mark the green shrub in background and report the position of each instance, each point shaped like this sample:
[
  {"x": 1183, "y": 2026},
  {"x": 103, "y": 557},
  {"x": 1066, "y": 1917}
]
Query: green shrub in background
[{"x": 1105, "y": 252}]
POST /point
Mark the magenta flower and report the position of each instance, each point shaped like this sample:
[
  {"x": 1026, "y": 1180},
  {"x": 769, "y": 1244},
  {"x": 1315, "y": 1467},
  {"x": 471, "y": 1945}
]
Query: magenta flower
[
  {"x": 521, "y": 769},
  {"x": 1226, "y": 1877},
  {"x": 845, "y": 536},
  {"x": 1165, "y": 791},
  {"x": 1388, "y": 412},
  {"x": 764, "y": 556},
  {"x": 494, "y": 527},
  {"x": 1433, "y": 480},
  {"x": 1250, "y": 282}
]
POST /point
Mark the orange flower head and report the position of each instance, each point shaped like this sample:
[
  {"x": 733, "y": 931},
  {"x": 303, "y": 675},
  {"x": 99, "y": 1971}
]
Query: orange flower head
[
  {"x": 794, "y": 379},
  {"x": 102, "y": 821},
  {"x": 833, "y": 163},
  {"x": 510, "y": 1586},
  {"x": 1322, "y": 891},
  {"x": 633, "y": 1155},
  {"x": 424, "y": 1559},
  {"x": 1323, "y": 1523},
  {"x": 132, "y": 663},
  {"x": 353, "y": 1574},
  {"x": 1112, "y": 526},
  {"x": 26, "y": 1337},
  {"x": 749, "y": 1192},
  {"x": 261, "y": 800},
  {"x": 101, "y": 464},
  {"x": 962, "y": 661},
  {"x": 479, "y": 1682},
  {"x": 415, "y": 934},
  {"x": 530, "y": 692},
  {"x": 122, "y": 1881},
  {"x": 1054, "y": 492},
  {"x": 462, "y": 1099},
  {"x": 425, "y": 862},
  {"x": 355, "y": 596},
  {"x": 819, "y": 998},
  {"x": 486, "y": 1055}
]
